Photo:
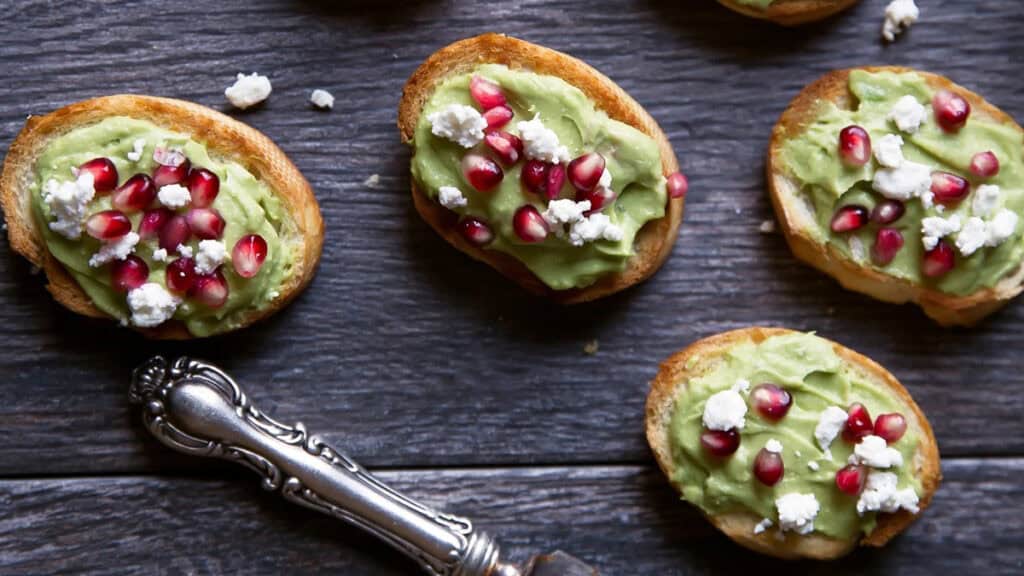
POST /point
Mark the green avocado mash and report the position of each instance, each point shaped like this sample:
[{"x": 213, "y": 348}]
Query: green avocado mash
[
  {"x": 816, "y": 378},
  {"x": 811, "y": 158},
  {"x": 757, "y": 3},
  {"x": 247, "y": 205},
  {"x": 631, "y": 157}
]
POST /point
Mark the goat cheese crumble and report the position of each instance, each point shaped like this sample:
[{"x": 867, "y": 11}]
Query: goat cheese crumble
[
  {"x": 908, "y": 114},
  {"x": 906, "y": 181},
  {"x": 117, "y": 249},
  {"x": 797, "y": 512},
  {"x": 565, "y": 211},
  {"x": 889, "y": 151},
  {"x": 972, "y": 236},
  {"x": 184, "y": 251},
  {"x": 151, "y": 305},
  {"x": 174, "y": 196},
  {"x": 322, "y": 99},
  {"x": 248, "y": 90},
  {"x": 160, "y": 255},
  {"x": 763, "y": 525},
  {"x": 451, "y": 197},
  {"x": 830, "y": 422},
  {"x": 138, "y": 146},
  {"x": 986, "y": 197},
  {"x": 899, "y": 15},
  {"x": 773, "y": 445},
  {"x": 594, "y": 227},
  {"x": 541, "y": 143},
  {"x": 880, "y": 495},
  {"x": 211, "y": 255},
  {"x": 935, "y": 227},
  {"x": 874, "y": 452},
  {"x": 725, "y": 410},
  {"x": 68, "y": 202},
  {"x": 459, "y": 123}
]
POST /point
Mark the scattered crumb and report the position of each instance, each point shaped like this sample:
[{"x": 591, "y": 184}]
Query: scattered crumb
[
  {"x": 899, "y": 15},
  {"x": 248, "y": 90},
  {"x": 738, "y": 211},
  {"x": 767, "y": 227},
  {"x": 373, "y": 181},
  {"x": 322, "y": 99},
  {"x": 590, "y": 348}
]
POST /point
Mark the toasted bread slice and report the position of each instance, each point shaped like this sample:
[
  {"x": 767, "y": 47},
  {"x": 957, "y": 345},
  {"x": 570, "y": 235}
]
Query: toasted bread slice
[
  {"x": 653, "y": 242},
  {"x": 791, "y": 12},
  {"x": 798, "y": 219},
  {"x": 670, "y": 386},
  {"x": 223, "y": 136}
]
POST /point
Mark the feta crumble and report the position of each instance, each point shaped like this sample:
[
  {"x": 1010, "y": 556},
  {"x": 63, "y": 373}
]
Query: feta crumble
[
  {"x": 908, "y": 114},
  {"x": 174, "y": 196},
  {"x": 830, "y": 423},
  {"x": 322, "y": 99},
  {"x": 889, "y": 151},
  {"x": 160, "y": 255},
  {"x": 773, "y": 445},
  {"x": 986, "y": 197},
  {"x": 899, "y": 15},
  {"x": 151, "y": 305},
  {"x": 972, "y": 236},
  {"x": 541, "y": 143},
  {"x": 595, "y": 227},
  {"x": 1001, "y": 227},
  {"x": 767, "y": 227},
  {"x": 725, "y": 410},
  {"x": 459, "y": 123},
  {"x": 873, "y": 451},
  {"x": 565, "y": 211},
  {"x": 763, "y": 525},
  {"x": 797, "y": 512},
  {"x": 935, "y": 227},
  {"x": 211, "y": 255},
  {"x": 451, "y": 197},
  {"x": 184, "y": 251},
  {"x": 118, "y": 249},
  {"x": 248, "y": 90},
  {"x": 138, "y": 146},
  {"x": 68, "y": 202},
  {"x": 909, "y": 180},
  {"x": 741, "y": 385},
  {"x": 880, "y": 495}
]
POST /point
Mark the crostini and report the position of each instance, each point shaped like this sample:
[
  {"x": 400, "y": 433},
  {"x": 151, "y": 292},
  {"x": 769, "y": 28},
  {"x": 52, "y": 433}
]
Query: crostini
[
  {"x": 903, "y": 186},
  {"x": 166, "y": 215},
  {"x": 788, "y": 12},
  {"x": 790, "y": 444},
  {"x": 537, "y": 164}
]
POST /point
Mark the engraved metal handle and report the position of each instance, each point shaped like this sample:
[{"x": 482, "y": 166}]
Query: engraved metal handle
[{"x": 195, "y": 408}]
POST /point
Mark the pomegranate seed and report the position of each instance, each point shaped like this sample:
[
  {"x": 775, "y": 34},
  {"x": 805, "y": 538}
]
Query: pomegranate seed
[
  {"x": 858, "y": 423},
  {"x": 891, "y": 426},
  {"x": 129, "y": 274},
  {"x": 481, "y": 172},
  {"x": 949, "y": 188},
  {"x": 720, "y": 442},
  {"x": 888, "y": 211},
  {"x": 529, "y": 225},
  {"x": 181, "y": 275},
  {"x": 175, "y": 231},
  {"x": 535, "y": 175},
  {"x": 166, "y": 174},
  {"x": 598, "y": 197},
  {"x": 104, "y": 174},
  {"x": 555, "y": 181},
  {"x": 951, "y": 110},
  {"x": 849, "y": 218},
  {"x": 507, "y": 147},
  {"x": 985, "y": 164},
  {"x": 677, "y": 185},
  {"x": 108, "y": 224},
  {"x": 939, "y": 260},
  {"x": 486, "y": 93},
  {"x": 153, "y": 222},
  {"x": 585, "y": 172},
  {"x": 768, "y": 466},
  {"x": 248, "y": 255},
  {"x": 476, "y": 231},
  {"x": 771, "y": 401},
  {"x": 851, "y": 479},
  {"x": 205, "y": 223},
  {"x": 168, "y": 156},
  {"x": 203, "y": 186},
  {"x": 137, "y": 193},
  {"x": 854, "y": 146},
  {"x": 210, "y": 289},
  {"x": 888, "y": 242},
  {"x": 498, "y": 116}
]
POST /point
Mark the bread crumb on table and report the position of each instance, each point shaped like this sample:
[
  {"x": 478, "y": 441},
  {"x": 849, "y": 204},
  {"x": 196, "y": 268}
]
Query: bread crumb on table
[
  {"x": 373, "y": 181},
  {"x": 590, "y": 348},
  {"x": 767, "y": 227}
]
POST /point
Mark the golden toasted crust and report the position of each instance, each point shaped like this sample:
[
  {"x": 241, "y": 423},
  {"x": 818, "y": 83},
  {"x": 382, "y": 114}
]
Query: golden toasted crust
[
  {"x": 653, "y": 242},
  {"x": 798, "y": 221},
  {"x": 792, "y": 12},
  {"x": 704, "y": 355},
  {"x": 223, "y": 136}
]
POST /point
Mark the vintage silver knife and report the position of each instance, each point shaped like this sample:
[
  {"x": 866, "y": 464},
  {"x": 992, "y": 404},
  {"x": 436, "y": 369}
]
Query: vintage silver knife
[{"x": 195, "y": 408}]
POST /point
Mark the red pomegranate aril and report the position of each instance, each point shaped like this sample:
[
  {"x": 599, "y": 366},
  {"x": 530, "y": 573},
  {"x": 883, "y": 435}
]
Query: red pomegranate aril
[
  {"x": 850, "y": 479},
  {"x": 164, "y": 174},
  {"x": 203, "y": 186},
  {"x": 529, "y": 225},
  {"x": 507, "y": 147},
  {"x": 949, "y": 188},
  {"x": 890, "y": 426},
  {"x": 939, "y": 260},
  {"x": 858, "y": 423},
  {"x": 248, "y": 255},
  {"x": 210, "y": 289},
  {"x": 476, "y": 231},
  {"x": 585, "y": 172},
  {"x": 599, "y": 198},
  {"x": 498, "y": 116},
  {"x": 128, "y": 274},
  {"x": 168, "y": 156},
  {"x": 771, "y": 401},
  {"x": 205, "y": 223},
  {"x": 768, "y": 467},
  {"x": 677, "y": 185},
  {"x": 555, "y": 181},
  {"x": 951, "y": 110},
  {"x": 481, "y": 172},
  {"x": 104, "y": 174},
  {"x": 108, "y": 224},
  {"x": 137, "y": 193},
  {"x": 849, "y": 218},
  {"x": 153, "y": 222},
  {"x": 534, "y": 175},
  {"x": 888, "y": 241},
  {"x": 486, "y": 93},
  {"x": 181, "y": 275},
  {"x": 854, "y": 146},
  {"x": 174, "y": 232},
  {"x": 985, "y": 164},
  {"x": 888, "y": 211},
  {"x": 720, "y": 442}
]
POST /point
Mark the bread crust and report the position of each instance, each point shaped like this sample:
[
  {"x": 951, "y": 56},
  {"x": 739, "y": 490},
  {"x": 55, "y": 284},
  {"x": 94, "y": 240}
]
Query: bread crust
[
  {"x": 223, "y": 136},
  {"x": 700, "y": 357},
  {"x": 796, "y": 221},
  {"x": 655, "y": 239},
  {"x": 792, "y": 12}
]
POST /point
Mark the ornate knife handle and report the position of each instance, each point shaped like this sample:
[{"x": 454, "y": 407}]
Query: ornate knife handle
[{"x": 195, "y": 408}]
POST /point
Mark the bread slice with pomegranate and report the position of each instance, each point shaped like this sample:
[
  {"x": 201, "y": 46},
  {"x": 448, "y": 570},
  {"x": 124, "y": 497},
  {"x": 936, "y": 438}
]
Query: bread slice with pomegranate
[
  {"x": 299, "y": 233},
  {"x": 790, "y": 12},
  {"x": 654, "y": 241},
  {"x": 673, "y": 389}
]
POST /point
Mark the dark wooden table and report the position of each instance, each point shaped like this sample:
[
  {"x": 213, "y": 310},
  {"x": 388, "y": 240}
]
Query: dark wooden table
[{"x": 433, "y": 370}]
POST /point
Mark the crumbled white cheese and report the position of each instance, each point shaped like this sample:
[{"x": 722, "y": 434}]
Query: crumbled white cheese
[
  {"x": 68, "y": 202},
  {"x": 928, "y": 201},
  {"x": 873, "y": 451},
  {"x": 889, "y": 151},
  {"x": 972, "y": 236},
  {"x": 451, "y": 197},
  {"x": 935, "y": 227},
  {"x": 856, "y": 248},
  {"x": 137, "y": 148},
  {"x": 372, "y": 181},
  {"x": 540, "y": 143},
  {"x": 151, "y": 305},
  {"x": 986, "y": 198},
  {"x": 322, "y": 99},
  {"x": 606, "y": 179},
  {"x": 880, "y": 495},
  {"x": 594, "y": 227},
  {"x": 1001, "y": 227},
  {"x": 813, "y": 465},
  {"x": 798, "y": 454},
  {"x": 118, "y": 249},
  {"x": 211, "y": 254},
  {"x": 565, "y": 211},
  {"x": 459, "y": 123},
  {"x": 763, "y": 525},
  {"x": 909, "y": 180},
  {"x": 174, "y": 196},
  {"x": 742, "y": 385},
  {"x": 767, "y": 227},
  {"x": 797, "y": 512},
  {"x": 908, "y": 114},
  {"x": 248, "y": 90},
  {"x": 899, "y": 15},
  {"x": 184, "y": 251},
  {"x": 725, "y": 410},
  {"x": 773, "y": 445},
  {"x": 830, "y": 423},
  {"x": 160, "y": 255}
]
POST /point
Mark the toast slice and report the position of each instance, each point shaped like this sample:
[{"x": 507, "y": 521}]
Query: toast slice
[
  {"x": 653, "y": 242},
  {"x": 670, "y": 386},
  {"x": 797, "y": 217},
  {"x": 223, "y": 136},
  {"x": 791, "y": 12}
]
